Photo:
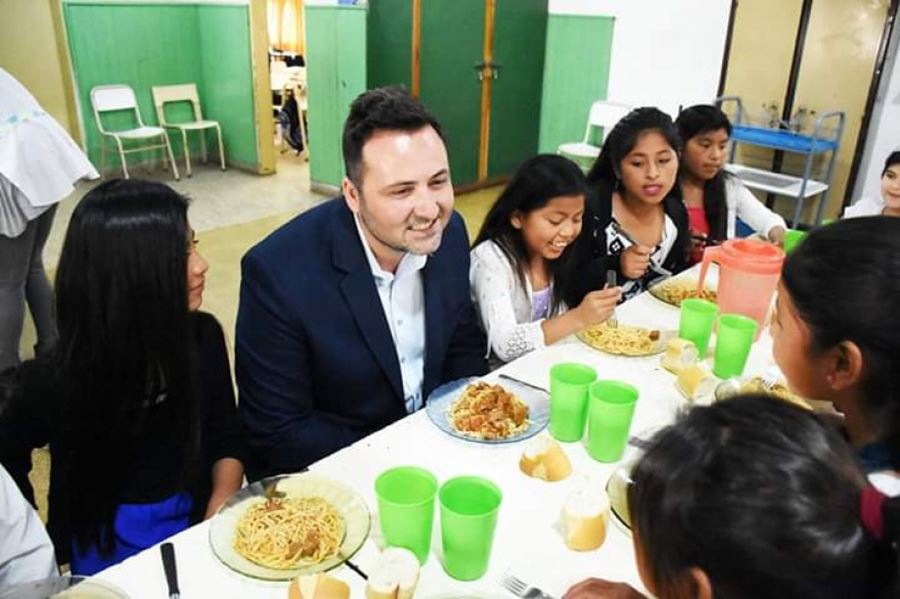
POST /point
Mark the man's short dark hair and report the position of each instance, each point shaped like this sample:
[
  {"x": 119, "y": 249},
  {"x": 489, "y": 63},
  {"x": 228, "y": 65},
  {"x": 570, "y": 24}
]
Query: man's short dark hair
[{"x": 381, "y": 109}]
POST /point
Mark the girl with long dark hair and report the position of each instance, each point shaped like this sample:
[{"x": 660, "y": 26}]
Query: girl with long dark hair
[
  {"x": 714, "y": 198},
  {"x": 836, "y": 331},
  {"x": 137, "y": 403},
  {"x": 755, "y": 497},
  {"x": 519, "y": 265},
  {"x": 634, "y": 224}
]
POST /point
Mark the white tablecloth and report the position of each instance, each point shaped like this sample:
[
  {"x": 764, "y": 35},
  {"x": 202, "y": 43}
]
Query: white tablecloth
[{"x": 527, "y": 543}]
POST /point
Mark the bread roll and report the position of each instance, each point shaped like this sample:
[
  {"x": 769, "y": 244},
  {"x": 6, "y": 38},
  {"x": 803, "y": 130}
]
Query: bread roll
[
  {"x": 544, "y": 458},
  {"x": 680, "y": 354},
  {"x": 395, "y": 575},
  {"x": 585, "y": 516},
  {"x": 318, "y": 586},
  {"x": 697, "y": 384}
]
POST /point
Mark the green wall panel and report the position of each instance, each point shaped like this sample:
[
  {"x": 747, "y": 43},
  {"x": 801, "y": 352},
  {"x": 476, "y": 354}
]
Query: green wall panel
[
  {"x": 143, "y": 45},
  {"x": 226, "y": 86},
  {"x": 519, "y": 41},
  {"x": 576, "y": 73},
  {"x": 336, "y": 75},
  {"x": 389, "y": 43},
  {"x": 351, "y": 63}
]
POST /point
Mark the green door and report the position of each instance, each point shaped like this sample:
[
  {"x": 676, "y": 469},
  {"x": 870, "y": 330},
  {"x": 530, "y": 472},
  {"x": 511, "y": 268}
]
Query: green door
[
  {"x": 389, "y": 43},
  {"x": 336, "y": 75},
  {"x": 452, "y": 44},
  {"x": 520, "y": 32}
]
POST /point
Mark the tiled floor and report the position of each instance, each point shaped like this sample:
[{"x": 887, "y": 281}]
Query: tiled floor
[{"x": 218, "y": 199}]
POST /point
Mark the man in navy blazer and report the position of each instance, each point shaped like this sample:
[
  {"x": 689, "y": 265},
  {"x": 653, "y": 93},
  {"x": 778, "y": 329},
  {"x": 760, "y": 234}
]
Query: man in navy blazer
[{"x": 353, "y": 312}]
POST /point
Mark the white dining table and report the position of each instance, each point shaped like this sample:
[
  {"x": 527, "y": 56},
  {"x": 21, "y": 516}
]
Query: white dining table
[{"x": 528, "y": 542}]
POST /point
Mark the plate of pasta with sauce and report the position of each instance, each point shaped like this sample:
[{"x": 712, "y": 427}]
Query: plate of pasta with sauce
[
  {"x": 675, "y": 291},
  {"x": 476, "y": 410},
  {"x": 289, "y": 525},
  {"x": 624, "y": 340}
]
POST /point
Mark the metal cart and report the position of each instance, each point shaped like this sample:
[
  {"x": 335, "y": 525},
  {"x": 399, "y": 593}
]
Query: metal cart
[{"x": 825, "y": 138}]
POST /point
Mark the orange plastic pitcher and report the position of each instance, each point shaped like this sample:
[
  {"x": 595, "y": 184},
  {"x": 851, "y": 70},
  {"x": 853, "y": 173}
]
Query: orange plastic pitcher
[{"x": 748, "y": 275}]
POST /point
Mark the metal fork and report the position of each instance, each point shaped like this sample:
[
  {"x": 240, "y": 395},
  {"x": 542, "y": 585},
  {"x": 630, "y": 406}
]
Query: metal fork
[
  {"x": 612, "y": 321},
  {"x": 520, "y": 588}
]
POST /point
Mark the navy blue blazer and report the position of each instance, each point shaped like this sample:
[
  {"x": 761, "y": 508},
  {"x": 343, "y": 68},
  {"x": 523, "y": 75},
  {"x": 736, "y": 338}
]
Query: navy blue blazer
[{"x": 315, "y": 361}]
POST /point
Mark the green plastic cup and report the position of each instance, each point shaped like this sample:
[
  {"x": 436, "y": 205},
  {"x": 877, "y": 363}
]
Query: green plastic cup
[
  {"x": 696, "y": 322},
  {"x": 569, "y": 384},
  {"x": 609, "y": 419},
  {"x": 734, "y": 338},
  {"x": 406, "y": 508},
  {"x": 792, "y": 238},
  {"x": 469, "y": 506}
]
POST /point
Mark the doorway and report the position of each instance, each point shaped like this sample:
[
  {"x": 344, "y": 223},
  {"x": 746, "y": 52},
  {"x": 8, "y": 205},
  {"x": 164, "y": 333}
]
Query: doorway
[{"x": 286, "y": 26}]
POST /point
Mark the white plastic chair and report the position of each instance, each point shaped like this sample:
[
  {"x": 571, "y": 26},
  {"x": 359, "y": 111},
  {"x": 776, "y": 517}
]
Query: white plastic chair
[
  {"x": 602, "y": 114},
  {"x": 114, "y": 98},
  {"x": 163, "y": 94}
]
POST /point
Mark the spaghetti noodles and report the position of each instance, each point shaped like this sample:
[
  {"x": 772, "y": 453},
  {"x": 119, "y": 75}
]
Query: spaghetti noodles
[
  {"x": 623, "y": 340},
  {"x": 488, "y": 411},
  {"x": 675, "y": 292},
  {"x": 280, "y": 533}
]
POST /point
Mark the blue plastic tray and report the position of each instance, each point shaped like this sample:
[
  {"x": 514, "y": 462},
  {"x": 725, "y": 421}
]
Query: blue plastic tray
[{"x": 779, "y": 139}]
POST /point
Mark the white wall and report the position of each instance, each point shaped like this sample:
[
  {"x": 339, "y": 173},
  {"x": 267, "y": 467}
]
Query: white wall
[
  {"x": 884, "y": 127},
  {"x": 664, "y": 53}
]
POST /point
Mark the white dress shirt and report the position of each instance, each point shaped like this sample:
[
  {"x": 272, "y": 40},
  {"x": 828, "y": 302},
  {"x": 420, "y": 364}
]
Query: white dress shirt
[
  {"x": 26, "y": 553},
  {"x": 402, "y": 295}
]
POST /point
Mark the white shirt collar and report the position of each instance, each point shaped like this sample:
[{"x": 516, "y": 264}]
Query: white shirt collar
[{"x": 410, "y": 263}]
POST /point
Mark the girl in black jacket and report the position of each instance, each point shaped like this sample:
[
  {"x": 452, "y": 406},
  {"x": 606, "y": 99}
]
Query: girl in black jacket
[{"x": 635, "y": 225}]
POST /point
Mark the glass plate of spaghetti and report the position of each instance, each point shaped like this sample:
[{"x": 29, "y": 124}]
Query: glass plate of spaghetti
[
  {"x": 475, "y": 410},
  {"x": 626, "y": 340},
  {"x": 675, "y": 291},
  {"x": 289, "y": 525}
]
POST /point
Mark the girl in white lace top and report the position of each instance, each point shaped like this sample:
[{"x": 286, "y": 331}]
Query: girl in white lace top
[{"x": 520, "y": 261}]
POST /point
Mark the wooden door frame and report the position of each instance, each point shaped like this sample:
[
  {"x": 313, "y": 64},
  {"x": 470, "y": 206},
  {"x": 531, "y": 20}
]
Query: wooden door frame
[
  {"x": 262, "y": 91},
  {"x": 487, "y": 80},
  {"x": 416, "y": 66},
  {"x": 726, "y": 53},
  {"x": 76, "y": 124}
]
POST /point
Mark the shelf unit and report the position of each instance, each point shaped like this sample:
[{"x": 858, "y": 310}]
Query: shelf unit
[{"x": 825, "y": 138}]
